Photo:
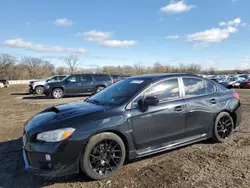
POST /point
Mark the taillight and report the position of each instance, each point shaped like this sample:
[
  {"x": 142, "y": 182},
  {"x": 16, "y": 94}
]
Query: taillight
[{"x": 236, "y": 95}]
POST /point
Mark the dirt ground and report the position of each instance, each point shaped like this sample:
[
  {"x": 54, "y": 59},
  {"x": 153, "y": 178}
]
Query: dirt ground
[{"x": 201, "y": 165}]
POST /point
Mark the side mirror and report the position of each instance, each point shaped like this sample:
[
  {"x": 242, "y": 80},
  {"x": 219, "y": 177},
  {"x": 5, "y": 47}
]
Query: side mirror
[
  {"x": 151, "y": 101},
  {"x": 148, "y": 101}
]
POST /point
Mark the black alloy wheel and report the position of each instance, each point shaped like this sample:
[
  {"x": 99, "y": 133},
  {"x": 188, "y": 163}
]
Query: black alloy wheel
[
  {"x": 103, "y": 156},
  {"x": 223, "y": 128}
]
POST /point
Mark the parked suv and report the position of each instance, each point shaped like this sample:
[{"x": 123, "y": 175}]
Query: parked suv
[
  {"x": 78, "y": 84},
  {"x": 38, "y": 86}
]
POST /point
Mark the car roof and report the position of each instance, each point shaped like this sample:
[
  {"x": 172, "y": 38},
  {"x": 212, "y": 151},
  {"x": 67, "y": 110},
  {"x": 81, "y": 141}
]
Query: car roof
[{"x": 162, "y": 76}]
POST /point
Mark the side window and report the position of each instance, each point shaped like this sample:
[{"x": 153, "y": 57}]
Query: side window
[
  {"x": 165, "y": 90},
  {"x": 61, "y": 77},
  {"x": 210, "y": 88},
  {"x": 194, "y": 87},
  {"x": 102, "y": 77},
  {"x": 86, "y": 78},
  {"x": 74, "y": 78}
]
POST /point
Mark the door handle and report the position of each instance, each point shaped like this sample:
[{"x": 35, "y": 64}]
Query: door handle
[
  {"x": 213, "y": 101},
  {"x": 178, "y": 109}
]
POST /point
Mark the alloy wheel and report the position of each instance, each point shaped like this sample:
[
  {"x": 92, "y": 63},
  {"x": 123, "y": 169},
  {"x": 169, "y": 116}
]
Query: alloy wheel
[
  {"x": 57, "y": 93},
  {"x": 224, "y": 127},
  {"x": 105, "y": 157}
]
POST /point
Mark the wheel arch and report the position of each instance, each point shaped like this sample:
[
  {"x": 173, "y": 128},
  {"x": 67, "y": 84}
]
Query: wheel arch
[
  {"x": 57, "y": 87},
  {"x": 101, "y": 85},
  {"x": 39, "y": 86}
]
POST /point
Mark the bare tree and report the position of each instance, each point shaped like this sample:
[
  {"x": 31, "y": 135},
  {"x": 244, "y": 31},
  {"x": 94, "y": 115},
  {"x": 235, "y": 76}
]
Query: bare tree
[
  {"x": 6, "y": 63},
  {"x": 61, "y": 70},
  {"x": 139, "y": 68},
  {"x": 72, "y": 63},
  {"x": 37, "y": 68}
]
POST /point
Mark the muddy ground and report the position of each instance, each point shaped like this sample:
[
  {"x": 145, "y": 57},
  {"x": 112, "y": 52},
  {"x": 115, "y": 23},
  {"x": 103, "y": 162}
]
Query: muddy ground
[{"x": 200, "y": 165}]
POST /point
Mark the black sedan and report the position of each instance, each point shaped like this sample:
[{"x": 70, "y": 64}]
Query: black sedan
[{"x": 135, "y": 117}]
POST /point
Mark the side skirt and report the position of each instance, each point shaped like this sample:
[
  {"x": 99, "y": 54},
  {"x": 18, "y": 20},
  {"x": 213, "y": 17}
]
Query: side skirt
[{"x": 169, "y": 146}]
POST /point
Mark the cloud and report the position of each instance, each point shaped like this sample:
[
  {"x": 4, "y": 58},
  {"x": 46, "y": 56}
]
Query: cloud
[
  {"x": 212, "y": 35},
  {"x": 94, "y": 35},
  {"x": 104, "y": 39},
  {"x": 117, "y": 43},
  {"x": 177, "y": 7},
  {"x": 20, "y": 43},
  {"x": 63, "y": 22},
  {"x": 172, "y": 37},
  {"x": 234, "y": 22}
]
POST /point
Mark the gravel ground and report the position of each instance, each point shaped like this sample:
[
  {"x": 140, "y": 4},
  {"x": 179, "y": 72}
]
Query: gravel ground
[{"x": 201, "y": 165}]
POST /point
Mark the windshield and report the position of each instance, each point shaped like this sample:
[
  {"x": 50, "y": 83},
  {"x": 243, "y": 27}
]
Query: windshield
[
  {"x": 120, "y": 92},
  {"x": 52, "y": 78}
]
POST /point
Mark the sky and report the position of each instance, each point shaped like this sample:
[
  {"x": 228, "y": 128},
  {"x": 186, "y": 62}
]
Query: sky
[{"x": 212, "y": 33}]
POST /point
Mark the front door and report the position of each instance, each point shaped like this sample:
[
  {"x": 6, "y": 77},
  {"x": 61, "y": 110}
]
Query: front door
[
  {"x": 73, "y": 85},
  {"x": 160, "y": 124}
]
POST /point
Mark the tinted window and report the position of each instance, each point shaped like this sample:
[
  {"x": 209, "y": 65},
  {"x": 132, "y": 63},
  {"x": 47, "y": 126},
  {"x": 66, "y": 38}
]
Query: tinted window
[
  {"x": 86, "y": 78},
  {"x": 194, "y": 87},
  {"x": 102, "y": 77},
  {"x": 165, "y": 90},
  {"x": 120, "y": 92},
  {"x": 61, "y": 77},
  {"x": 210, "y": 88},
  {"x": 74, "y": 78}
]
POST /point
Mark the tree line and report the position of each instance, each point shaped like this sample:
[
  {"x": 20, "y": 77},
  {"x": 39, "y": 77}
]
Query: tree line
[{"x": 37, "y": 68}]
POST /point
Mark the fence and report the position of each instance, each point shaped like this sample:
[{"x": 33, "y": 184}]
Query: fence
[{"x": 13, "y": 82}]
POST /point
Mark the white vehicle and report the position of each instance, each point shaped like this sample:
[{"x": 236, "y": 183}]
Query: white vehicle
[
  {"x": 1, "y": 86},
  {"x": 38, "y": 86}
]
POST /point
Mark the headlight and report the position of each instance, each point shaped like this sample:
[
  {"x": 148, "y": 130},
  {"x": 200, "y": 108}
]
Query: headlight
[{"x": 55, "y": 135}]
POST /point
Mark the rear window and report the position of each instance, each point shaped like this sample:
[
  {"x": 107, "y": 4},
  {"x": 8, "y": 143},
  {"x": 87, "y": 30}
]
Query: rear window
[{"x": 102, "y": 77}]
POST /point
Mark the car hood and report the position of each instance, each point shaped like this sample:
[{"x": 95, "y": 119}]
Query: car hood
[
  {"x": 61, "y": 116},
  {"x": 40, "y": 82}
]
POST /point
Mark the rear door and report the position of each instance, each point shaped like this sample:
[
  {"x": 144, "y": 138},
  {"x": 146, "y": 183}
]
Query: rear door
[
  {"x": 87, "y": 84},
  {"x": 201, "y": 101},
  {"x": 73, "y": 85}
]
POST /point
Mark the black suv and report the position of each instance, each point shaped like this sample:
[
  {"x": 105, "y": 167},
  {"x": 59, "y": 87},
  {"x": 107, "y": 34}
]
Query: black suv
[{"x": 78, "y": 84}]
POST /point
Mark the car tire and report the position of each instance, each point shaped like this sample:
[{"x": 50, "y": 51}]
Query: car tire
[
  {"x": 223, "y": 127},
  {"x": 99, "y": 88},
  {"x": 103, "y": 156},
  {"x": 39, "y": 90},
  {"x": 57, "y": 93}
]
